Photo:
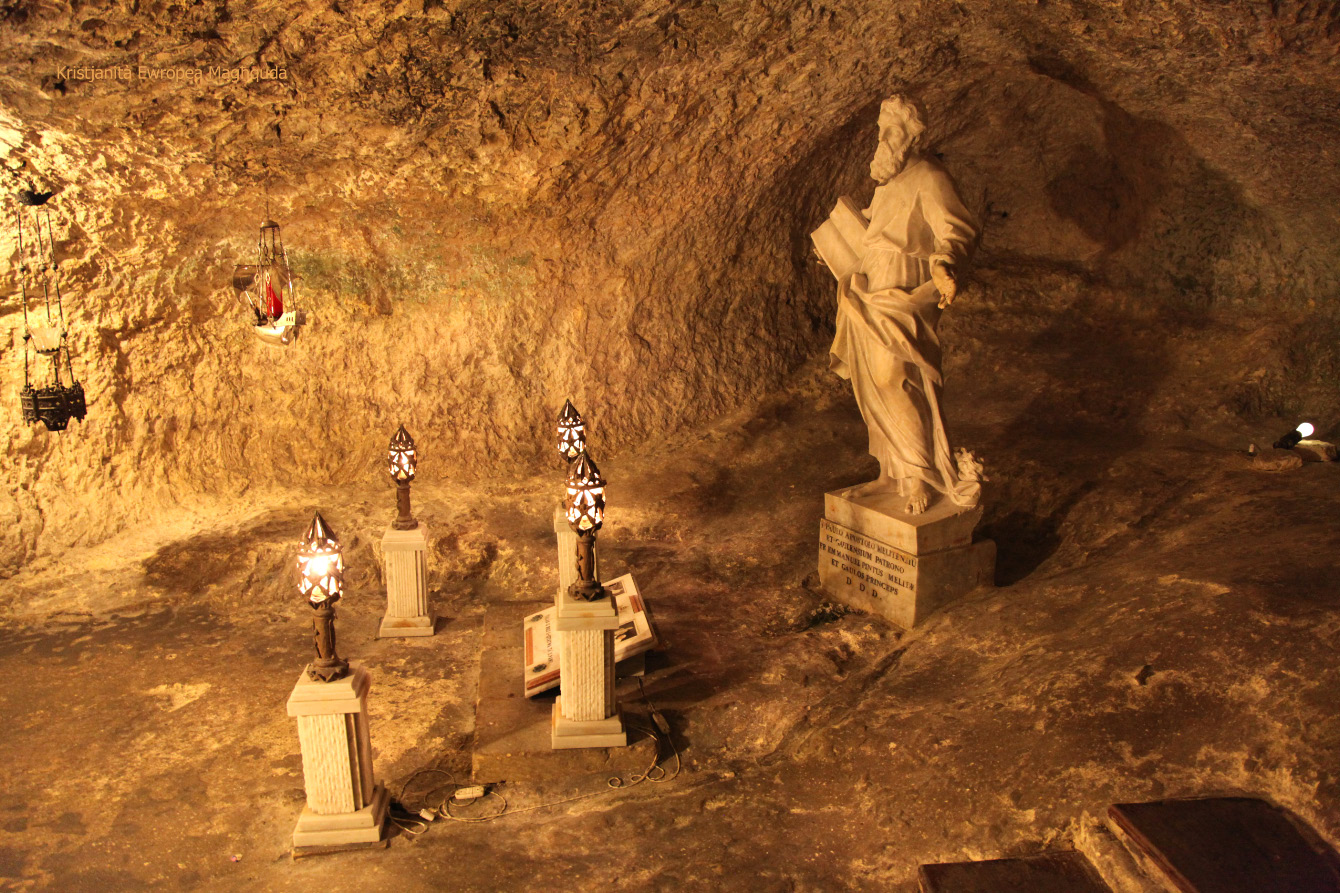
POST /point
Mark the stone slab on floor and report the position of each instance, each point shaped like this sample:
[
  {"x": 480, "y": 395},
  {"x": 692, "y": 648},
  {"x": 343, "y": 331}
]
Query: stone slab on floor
[
  {"x": 512, "y": 732},
  {"x": 1047, "y": 873},
  {"x": 1228, "y": 845},
  {"x": 1067, "y": 872}
]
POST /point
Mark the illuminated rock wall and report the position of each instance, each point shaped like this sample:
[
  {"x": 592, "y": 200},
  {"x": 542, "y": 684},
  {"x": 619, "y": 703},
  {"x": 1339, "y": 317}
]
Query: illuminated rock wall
[{"x": 494, "y": 206}]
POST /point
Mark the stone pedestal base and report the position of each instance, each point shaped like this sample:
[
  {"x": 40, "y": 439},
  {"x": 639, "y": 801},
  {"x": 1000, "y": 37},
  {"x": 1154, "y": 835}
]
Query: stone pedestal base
[
  {"x": 570, "y": 733},
  {"x": 362, "y": 826},
  {"x": 514, "y": 734},
  {"x": 587, "y": 714},
  {"x": 344, "y": 803},
  {"x": 404, "y": 553},
  {"x": 874, "y": 557}
]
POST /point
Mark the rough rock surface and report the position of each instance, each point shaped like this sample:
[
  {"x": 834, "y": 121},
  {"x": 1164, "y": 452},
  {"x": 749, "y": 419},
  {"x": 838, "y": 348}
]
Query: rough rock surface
[
  {"x": 494, "y": 206},
  {"x": 1165, "y": 627}
]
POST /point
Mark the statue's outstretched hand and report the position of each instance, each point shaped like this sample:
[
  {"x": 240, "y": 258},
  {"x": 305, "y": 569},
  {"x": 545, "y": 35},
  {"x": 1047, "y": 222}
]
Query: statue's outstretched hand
[{"x": 942, "y": 274}]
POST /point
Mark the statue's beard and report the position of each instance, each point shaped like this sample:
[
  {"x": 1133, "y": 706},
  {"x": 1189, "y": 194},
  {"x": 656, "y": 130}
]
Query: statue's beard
[{"x": 887, "y": 163}]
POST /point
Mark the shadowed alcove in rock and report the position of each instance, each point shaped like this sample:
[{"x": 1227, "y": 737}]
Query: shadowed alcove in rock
[{"x": 491, "y": 208}]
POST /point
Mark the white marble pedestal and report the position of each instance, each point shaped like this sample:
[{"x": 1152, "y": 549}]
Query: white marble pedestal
[
  {"x": 586, "y": 714},
  {"x": 344, "y": 803},
  {"x": 404, "y": 553},
  {"x": 875, "y": 557}
]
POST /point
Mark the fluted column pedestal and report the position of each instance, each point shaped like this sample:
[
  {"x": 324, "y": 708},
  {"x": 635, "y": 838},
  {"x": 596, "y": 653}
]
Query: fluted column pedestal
[
  {"x": 567, "y": 550},
  {"x": 404, "y": 553},
  {"x": 344, "y": 803},
  {"x": 586, "y": 714}
]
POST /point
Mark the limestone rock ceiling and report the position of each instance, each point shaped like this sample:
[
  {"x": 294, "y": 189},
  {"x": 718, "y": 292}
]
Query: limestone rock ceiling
[{"x": 494, "y": 206}]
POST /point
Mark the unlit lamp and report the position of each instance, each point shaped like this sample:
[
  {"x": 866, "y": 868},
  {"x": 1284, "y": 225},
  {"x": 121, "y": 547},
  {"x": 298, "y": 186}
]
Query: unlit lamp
[
  {"x": 1294, "y": 437},
  {"x": 53, "y": 403}
]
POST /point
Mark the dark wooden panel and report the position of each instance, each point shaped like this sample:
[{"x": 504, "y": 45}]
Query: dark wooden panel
[
  {"x": 1228, "y": 845},
  {"x": 1050, "y": 873}
]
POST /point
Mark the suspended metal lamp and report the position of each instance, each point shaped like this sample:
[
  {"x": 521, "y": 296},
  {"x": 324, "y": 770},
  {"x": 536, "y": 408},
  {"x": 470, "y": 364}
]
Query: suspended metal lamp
[
  {"x": 266, "y": 287},
  {"x": 403, "y": 460},
  {"x": 53, "y": 403},
  {"x": 571, "y": 432},
  {"x": 321, "y": 581},
  {"x": 585, "y": 508}
]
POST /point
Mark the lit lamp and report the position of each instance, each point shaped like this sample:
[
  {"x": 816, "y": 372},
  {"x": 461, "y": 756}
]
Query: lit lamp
[
  {"x": 405, "y": 551},
  {"x": 403, "y": 461},
  {"x": 1294, "y": 437},
  {"x": 585, "y": 514},
  {"x": 571, "y": 443},
  {"x": 345, "y": 805},
  {"x": 320, "y": 580},
  {"x": 587, "y": 713},
  {"x": 571, "y": 432}
]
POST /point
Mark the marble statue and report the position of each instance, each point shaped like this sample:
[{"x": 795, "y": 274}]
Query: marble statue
[{"x": 899, "y": 263}]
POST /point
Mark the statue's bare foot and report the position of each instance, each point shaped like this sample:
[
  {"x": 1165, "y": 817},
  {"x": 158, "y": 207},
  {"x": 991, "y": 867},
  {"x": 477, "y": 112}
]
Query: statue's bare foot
[
  {"x": 919, "y": 497},
  {"x": 880, "y": 486}
]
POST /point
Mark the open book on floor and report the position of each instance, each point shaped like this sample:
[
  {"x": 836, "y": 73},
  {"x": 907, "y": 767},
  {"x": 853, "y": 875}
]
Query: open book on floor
[{"x": 635, "y": 636}]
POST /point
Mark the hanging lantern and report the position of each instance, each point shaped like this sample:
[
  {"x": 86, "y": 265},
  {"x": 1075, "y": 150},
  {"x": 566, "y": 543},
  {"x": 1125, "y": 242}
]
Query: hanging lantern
[
  {"x": 52, "y": 403},
  {"x": 571, "y": 432},
  {"x": 274, "y": 304},
  {"x": 320, "y": 564},
  {"x": 402, "y": 457},
  {"x": 586, "y": 496}
]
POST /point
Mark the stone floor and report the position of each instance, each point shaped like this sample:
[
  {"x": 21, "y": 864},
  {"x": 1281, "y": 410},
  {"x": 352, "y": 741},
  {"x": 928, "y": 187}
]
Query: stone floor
[{"x": 1165, "y": 625}]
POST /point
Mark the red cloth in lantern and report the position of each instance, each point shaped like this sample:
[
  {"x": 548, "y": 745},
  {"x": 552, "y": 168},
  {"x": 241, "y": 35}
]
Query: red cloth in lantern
[{"x": 274, "y": 305}]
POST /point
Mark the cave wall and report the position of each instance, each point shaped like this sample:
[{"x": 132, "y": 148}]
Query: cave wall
[{"x": 494, "y": 206}]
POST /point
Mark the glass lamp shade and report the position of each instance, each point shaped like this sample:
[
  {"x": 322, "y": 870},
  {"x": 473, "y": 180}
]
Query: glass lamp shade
[
  {"x": 320, "y": 564},
  {"x": 571, "y": 432},
  {"x": 403, "y": 459},
  {"x": 586, "y": 496}
]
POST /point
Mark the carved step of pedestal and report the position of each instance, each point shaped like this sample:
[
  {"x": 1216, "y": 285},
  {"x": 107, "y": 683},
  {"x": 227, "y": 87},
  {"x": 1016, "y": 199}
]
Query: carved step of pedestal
[
  {"x": 404, "y": 553},
  {"x": 874, "y": 557},
  {"x": 568, "y": 734}
]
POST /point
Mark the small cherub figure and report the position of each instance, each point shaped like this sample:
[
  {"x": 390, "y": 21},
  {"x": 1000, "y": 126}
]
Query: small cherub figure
[{"x": 970, "y": 468}]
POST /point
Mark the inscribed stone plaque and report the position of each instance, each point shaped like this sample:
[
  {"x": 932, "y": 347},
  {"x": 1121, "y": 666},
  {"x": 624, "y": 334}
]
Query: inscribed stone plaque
[{"x": 859, "y": 567}]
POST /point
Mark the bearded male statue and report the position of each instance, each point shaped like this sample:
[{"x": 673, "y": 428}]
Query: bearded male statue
[{"x": 899, "y": 264}]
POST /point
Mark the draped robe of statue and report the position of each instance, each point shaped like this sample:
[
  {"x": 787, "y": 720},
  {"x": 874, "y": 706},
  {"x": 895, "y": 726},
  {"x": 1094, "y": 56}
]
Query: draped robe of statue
[{"x": 886, "y": 342}]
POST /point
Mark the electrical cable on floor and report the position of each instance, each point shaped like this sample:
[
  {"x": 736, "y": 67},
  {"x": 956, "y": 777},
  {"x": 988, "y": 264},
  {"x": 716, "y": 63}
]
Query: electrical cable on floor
[{"x": 415, "y": 824}]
